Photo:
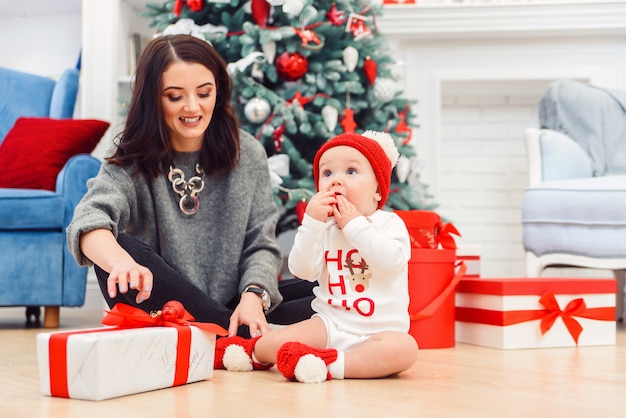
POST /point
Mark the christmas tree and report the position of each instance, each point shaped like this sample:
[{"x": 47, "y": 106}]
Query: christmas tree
[{"x": 305, "y": 71}]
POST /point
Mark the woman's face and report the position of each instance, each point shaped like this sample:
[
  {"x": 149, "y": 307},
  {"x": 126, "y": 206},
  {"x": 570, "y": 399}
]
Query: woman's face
[{"x": 188, "y": 98}]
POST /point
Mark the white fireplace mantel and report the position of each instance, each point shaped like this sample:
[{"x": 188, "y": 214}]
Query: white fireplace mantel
[
  {"x": 542, "y": 41},
  {"x": 505, "y": 19}
]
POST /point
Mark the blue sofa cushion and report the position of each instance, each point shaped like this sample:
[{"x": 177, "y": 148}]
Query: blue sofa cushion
[
  {"x": 22, "y": 94},
  {"x": 22, "y": 209},
  {"x": 584, "y": 217},
  {"x": 64, "y": 95}
]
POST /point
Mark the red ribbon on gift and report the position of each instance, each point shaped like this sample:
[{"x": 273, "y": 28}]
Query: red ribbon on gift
[
  {"x": 575, "y": 308},
  {"x": 123, "y": 316},
  {"x": 427, "y": 230},
  {"x": 444, "y": 235}
]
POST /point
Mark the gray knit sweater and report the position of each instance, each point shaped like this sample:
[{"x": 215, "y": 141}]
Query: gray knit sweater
[{"x": 228, "y": 244}]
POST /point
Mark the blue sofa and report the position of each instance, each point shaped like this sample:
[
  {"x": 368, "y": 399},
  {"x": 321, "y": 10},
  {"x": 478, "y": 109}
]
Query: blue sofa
[
  {"x": 574, "y": 209},
  {"x": 36, "y": 268}
]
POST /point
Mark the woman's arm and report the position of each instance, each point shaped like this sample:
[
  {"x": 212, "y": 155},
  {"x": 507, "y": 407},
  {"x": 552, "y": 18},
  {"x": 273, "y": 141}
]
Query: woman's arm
[{"x": 101, "y": 247}]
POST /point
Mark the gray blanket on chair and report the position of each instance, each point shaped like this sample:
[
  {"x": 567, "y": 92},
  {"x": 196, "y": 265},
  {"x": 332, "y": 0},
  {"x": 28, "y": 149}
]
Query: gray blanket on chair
[{"x": 593, "y": 117}]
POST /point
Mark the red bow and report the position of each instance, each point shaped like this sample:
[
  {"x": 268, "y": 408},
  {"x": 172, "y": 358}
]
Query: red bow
[
  {"x": 444, "y": 235},
  {"x": 441, "y": 233},
  {"x": 127, "y": 316},
  {"x": 576, "y": 307}
]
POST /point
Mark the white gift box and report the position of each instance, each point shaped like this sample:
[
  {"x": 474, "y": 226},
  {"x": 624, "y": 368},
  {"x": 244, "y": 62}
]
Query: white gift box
[
  {"x": 108, "y": 362},
  {"x": 535, "y": 312},
  {"x": 470, "y": 255}
]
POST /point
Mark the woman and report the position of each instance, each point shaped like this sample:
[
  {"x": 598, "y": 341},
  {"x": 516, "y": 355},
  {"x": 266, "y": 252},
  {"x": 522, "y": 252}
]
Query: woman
[{"x": 183, "y": 209}]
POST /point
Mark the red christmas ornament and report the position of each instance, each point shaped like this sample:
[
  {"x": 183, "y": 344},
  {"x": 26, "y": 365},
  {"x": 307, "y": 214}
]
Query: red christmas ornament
[
  {"x": 348, "y": 123},
  {"x": 178, "y": 7},
  {"x": 300, "y": 209},
  {"x": 357, "y": 25},
  {"x": 277, "y": 136},
  {"x": 260, "y": 12},
  {"x": 172, "y": 311},
  {"x": 402, "y": 127},
  {"x": 195, "y": 5},
  {"x": 336, "y": 17},
  {"x": 291, "y": 67},
  {"x": 370, "y": 67},
  {"x": 298, "y": 97}
]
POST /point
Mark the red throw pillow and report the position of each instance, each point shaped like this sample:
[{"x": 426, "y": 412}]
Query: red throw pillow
[{"x": 36, "y": 149}]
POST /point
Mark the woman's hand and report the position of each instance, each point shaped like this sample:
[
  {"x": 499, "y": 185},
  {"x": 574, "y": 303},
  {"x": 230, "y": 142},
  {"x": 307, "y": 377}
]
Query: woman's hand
[
  {"x": 130, "y": 275},
  {"x": 101, "y": 247},
  {"x": 249, "y": 312}
]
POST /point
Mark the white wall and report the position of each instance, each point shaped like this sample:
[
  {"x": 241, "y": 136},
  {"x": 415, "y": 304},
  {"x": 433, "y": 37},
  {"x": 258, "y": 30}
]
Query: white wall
[
  {"x": 477, "y": 82},
  {"x": 44, "y": 45}
]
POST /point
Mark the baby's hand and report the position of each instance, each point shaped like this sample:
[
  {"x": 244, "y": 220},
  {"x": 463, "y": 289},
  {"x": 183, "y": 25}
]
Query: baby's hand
[
  {"x": 321, "y": 205},
  {"x": 344, "y": 211}
]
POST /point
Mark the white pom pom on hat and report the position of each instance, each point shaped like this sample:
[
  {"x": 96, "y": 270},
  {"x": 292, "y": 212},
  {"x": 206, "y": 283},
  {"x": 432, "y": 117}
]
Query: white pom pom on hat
[{"x": 387, "y": 144}]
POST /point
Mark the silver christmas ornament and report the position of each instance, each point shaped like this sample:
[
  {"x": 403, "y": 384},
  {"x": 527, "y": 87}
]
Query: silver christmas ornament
[
  {"x": 385, "y": 89},
  {"x": 257, "y": 110}
]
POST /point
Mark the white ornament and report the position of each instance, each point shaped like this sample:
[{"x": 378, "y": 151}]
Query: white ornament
[
  {"x": 385, "y": 89},
  {"x": 330, "y": 115},
  {"x": 293, "y": 7},
  {"x": 255, "y": 57},
  {"x": 350, "y": 57},
  {"x": 403, "y": 168},
  {"x": 188, "y": 27},
  {"x": 269, "y": 49},
  {"x": 279, "y": 164},
  {"x": 257, "y": 110},
  {"x": 276, "y": 2}
]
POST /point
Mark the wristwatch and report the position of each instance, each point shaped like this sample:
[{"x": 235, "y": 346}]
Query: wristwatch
[{"x": 265, "y": 297}]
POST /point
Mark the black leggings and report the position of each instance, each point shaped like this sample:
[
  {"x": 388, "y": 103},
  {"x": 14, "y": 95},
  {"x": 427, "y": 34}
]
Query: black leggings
[{"x": 169, "y": 284}]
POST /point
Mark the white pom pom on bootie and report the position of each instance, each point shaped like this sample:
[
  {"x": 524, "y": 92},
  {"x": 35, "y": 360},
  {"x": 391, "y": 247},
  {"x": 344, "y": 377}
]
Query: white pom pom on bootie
[
  {"x": 310, "y": 369},
  {"x": 240, "y": 357},
  {"x": 303, "y": 363},
  {"x": 236, "y": 359}
]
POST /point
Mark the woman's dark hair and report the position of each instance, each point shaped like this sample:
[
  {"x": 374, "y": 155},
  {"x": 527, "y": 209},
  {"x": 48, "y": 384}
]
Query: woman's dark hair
[{"x": 145, "y": 138}]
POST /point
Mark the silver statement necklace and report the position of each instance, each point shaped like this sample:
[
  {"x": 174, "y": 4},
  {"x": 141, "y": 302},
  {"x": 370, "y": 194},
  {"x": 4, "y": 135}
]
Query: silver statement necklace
[{"x": 188, "y": 190}]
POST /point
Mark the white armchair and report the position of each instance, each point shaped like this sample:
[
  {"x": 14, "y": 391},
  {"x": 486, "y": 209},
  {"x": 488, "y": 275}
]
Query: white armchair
[{"x": 574, "y": 209}]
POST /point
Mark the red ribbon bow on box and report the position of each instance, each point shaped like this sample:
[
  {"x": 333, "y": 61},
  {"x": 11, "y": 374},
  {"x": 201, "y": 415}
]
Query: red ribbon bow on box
[
  {"x": 426, "y": 229},
  {"x": 547, "y": 317},
  {"x": 123, "y": 316},
  {"x": 576, "y": 307},
  {"x": 126, "y": 316}
]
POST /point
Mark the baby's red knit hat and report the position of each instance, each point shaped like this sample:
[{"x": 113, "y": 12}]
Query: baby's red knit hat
[{"x": 378, "y": 147}]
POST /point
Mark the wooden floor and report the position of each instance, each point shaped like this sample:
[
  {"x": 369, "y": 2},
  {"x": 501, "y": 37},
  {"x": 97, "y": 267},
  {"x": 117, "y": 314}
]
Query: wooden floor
[{"x": 464, "y": 381}]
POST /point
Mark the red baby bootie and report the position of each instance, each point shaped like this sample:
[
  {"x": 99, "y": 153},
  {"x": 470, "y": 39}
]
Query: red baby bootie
[
  {"x": 235, "y": 354},
  {"x": 304, "y": 363}
]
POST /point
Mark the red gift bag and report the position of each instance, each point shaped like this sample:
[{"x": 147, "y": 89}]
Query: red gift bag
[{"x": 433, "y": 276}]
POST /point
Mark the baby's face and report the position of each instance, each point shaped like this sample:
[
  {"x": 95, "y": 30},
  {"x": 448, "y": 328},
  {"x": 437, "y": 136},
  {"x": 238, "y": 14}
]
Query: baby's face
[{"x": 346, "y": 171}]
